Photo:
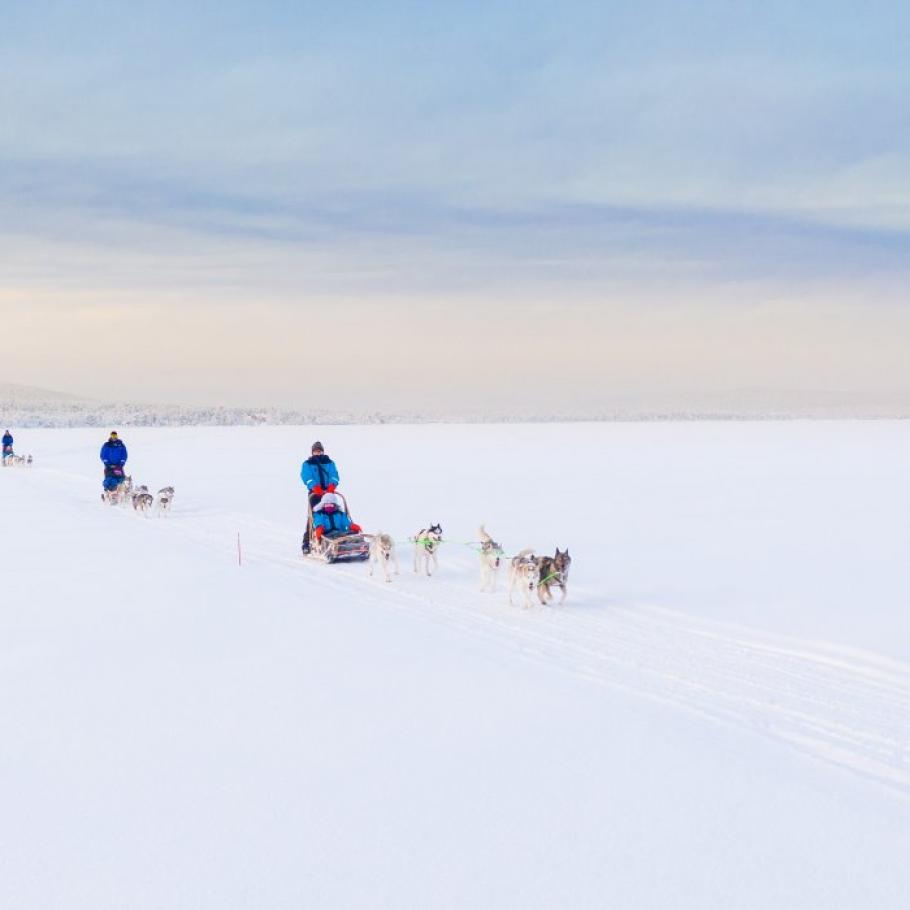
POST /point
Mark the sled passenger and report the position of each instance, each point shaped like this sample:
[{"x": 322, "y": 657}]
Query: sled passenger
[
  {"x": 320, "y": 475},
  {"x": 113, "y": 456},
  {"x": 329, "y": 516}
]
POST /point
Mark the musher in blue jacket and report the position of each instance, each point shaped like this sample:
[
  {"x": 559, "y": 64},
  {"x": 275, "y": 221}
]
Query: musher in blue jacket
[
  {"x": 320, "y": 475},
  {"x": 7, "y": 443},
  {"x": 114, "y": 456}
]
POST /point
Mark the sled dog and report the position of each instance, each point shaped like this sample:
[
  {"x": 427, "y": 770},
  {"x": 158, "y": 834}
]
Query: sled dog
[
  {"x": 165, "y": 500},
  {"x": 554, "y": 573},
  {"x": 490, "y": 557},
  {"x": 524, "y": 574},
  {"x": 382, "y": 552},
  {"x": 142, "y": 500},
  {"x": 124, "y": 493},
  {"x": 426, "y": 545}
]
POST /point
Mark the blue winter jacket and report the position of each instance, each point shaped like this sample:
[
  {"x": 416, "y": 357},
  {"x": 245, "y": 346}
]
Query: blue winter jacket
[
  {"x": 7, "y": 440},
  {"x": 318, "y": 471},
  {"x": 113, "y": 452},
  {"x": 337, "y": 521}
]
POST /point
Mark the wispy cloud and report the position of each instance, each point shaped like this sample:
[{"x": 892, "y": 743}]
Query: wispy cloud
[{"x": 477, "y": 156}]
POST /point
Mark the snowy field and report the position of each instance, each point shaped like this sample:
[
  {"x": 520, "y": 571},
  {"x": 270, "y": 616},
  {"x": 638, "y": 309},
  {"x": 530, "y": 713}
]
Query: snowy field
[{"x": 718, "y": 717}]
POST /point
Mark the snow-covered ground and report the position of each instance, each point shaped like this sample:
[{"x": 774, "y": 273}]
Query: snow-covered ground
[{"x": 718, "y": 717}]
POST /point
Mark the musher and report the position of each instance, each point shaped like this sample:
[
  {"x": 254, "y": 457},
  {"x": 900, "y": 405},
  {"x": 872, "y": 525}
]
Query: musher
[{"x": 114, "y": 456}]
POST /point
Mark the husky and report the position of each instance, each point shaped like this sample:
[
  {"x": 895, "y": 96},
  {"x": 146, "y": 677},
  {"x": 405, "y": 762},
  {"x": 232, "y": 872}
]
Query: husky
[
  {"x": 29, "y": 461},
  {"x": 165, "y": 500},
  {"x": 490, "y": 557},
  {"x": 554, "y": 573},
  {"x": 142, "y": 500},
  {"x": 426, "y": 545},
  {"x": 382, "y": 552},
  {"x": 124, "y": 493},
  {"x": 524, "y": 573},
  {"x": 127, "y": 490}
]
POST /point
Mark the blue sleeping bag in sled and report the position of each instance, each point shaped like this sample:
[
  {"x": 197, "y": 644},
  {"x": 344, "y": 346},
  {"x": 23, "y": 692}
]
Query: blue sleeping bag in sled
[
  {"x": 329, "y": 514},
  {"x": 113, "y": 477}
]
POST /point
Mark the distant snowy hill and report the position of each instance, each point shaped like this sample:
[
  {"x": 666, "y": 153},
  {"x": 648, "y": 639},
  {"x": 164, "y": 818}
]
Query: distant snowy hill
[{"x": 25, "y": 406}]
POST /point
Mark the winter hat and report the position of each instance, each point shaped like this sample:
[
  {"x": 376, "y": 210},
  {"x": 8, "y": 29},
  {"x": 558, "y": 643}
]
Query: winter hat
[
  {"x": 317, "y": 447},
  {"x": 329, "y": 503}
]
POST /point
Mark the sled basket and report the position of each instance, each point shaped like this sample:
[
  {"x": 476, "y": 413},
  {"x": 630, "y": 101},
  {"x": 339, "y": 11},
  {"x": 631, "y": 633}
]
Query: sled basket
[{"x": 336, "y": 546}]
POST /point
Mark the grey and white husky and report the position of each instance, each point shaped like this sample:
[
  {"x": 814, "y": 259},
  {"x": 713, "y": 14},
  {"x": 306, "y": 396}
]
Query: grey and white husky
[
  {"x": 490, "y": 558},
  {"x": 524, "y": 573},
  {"x": 142, "y": 500},
  {"x": 164, "y": 500},
  {"x": 382, "y": 553}
]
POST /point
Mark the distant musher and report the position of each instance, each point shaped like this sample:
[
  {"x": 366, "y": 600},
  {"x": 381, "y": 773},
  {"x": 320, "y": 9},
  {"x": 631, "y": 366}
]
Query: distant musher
[
  {"x": 113, "y": 456},
  {"x": 7, "y": 445}
]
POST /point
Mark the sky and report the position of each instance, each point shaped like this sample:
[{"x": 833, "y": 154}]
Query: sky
[{"x": 415, "y": 205}]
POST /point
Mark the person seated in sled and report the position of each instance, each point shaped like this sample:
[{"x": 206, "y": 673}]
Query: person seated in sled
[
  {"x": 320, "y": 475},
  {"x": 113, "y": 456},
  {"x": 330, "y": 518},
  {"x": 7, "y": 444}
]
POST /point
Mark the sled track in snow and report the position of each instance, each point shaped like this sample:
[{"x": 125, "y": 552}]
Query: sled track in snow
[{"x": 849, "y": 709}]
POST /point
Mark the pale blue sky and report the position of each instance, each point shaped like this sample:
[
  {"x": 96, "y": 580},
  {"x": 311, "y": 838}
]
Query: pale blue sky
[{"x": 407, "y": 171}]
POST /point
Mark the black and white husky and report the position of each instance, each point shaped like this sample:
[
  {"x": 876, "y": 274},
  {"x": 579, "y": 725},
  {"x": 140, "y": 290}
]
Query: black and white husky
[
  {"x": 490, "y": 558},
  {"x": 524, "y": 573},
  {"x": 164, "y": 500},
  {"x": 382, "y": 552},
  {"x": 426, "y": 545},
  {"x": 554, "y": 573}
]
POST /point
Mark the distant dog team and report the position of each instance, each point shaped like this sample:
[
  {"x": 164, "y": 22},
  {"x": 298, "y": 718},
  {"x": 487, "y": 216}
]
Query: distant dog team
[
  {"x": 10, "y": 460},
  {"x": 140, "y": 497}
]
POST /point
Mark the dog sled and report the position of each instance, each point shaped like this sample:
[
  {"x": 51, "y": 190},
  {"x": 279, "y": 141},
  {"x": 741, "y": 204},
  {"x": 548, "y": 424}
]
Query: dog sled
[{"x": 336, "y": 546}]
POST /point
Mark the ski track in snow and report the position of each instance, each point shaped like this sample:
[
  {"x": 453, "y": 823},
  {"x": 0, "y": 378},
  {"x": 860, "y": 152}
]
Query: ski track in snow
[{"x": 847, "y": 708}]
